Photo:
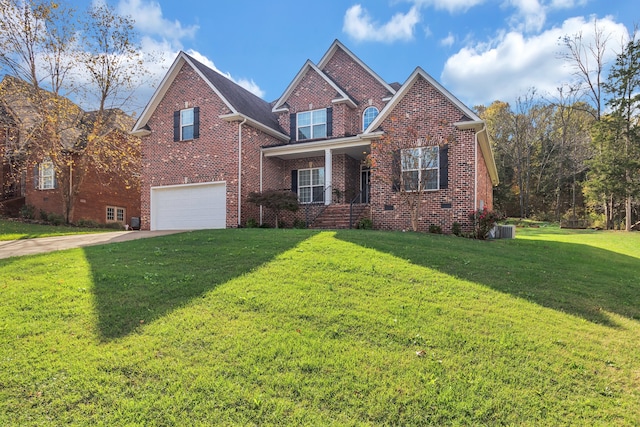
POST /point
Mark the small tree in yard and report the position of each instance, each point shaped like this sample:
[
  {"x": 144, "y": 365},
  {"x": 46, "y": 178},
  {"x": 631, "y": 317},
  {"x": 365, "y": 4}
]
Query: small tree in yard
[
  {"x": 415, "y": 152},
  {"x": 276, "y": 200}
]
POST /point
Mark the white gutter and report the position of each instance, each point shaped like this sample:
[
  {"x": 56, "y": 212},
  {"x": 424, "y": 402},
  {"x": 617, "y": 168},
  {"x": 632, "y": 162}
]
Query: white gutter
[
  {"x": 240, "y": 171},
  {"x": 256, "y": 124}
]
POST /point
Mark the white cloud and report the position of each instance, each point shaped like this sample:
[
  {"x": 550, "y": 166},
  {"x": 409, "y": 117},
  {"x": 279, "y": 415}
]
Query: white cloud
[
  {"x": 248, "y": 84},
  {"x": 531, "y": 15},
  {"x": 448, "y": 41},
  {"x": 161, "y": 41},
  {"x": 567, "y": 4},
  {"x": 509, "y": 65},
  {"x": 359, "y": 25},
  {"x": 451, "y": 6},
  {"x": 150, "y": 20}
]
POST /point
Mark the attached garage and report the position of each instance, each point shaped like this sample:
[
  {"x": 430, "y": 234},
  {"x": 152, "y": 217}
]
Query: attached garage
[{"x": 189, "y": 206}]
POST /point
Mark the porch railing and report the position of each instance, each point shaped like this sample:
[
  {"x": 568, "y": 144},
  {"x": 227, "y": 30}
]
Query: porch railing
[
  {"x": 356, "y": 199},
  {"x": 315, "y": 208}
]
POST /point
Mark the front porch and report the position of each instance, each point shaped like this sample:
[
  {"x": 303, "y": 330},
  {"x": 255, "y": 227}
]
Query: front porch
[{"x": 326, "y": 171}]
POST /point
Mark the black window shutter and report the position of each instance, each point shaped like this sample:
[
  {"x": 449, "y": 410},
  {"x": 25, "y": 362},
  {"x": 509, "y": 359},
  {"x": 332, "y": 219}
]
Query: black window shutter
[
  {"x": 36, "y": 176},
  {"x": 176, "y": 126},
  {"x": 329, "y": 122},
  {"x": 294, "y": 181},
  {"x": 292, "y": 126},
  {"x": 55, "y": 178},
  {"x": 396, "y": 171},
  {"x": 444, "y": 167},
  {"x": 196, "y": 122}
]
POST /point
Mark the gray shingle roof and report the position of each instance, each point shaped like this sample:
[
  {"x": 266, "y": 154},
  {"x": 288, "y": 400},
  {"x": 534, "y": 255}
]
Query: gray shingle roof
[{"x": 241, "y": 99}]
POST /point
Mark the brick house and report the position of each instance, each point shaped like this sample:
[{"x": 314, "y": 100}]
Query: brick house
[
  {"x": 31, "y": 177},
  {"x": 339, "y": 136}
]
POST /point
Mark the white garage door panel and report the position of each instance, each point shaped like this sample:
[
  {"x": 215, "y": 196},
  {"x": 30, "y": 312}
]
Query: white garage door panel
[{"x": 189, "y": 207}]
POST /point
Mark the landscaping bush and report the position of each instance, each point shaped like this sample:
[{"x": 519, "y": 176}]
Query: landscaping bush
[
  {"x": 484, "y": 220},
  {"x": 251, "y": 223},
  {"x": 456, "y": 229},
  {"x": 365, "y": 224},
  {"x": 299, "y": 223},
  {"x": 28, "y": 212},
  {"x": 435, "y": 229},
  {"x": 88, "y": 223},
  {"x": 54, "y": 219}
]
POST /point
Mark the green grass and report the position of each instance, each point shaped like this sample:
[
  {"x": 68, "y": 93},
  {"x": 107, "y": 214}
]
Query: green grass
[
  {"x": 297, "y": 327},
  {"x": 16, "y": 230}
]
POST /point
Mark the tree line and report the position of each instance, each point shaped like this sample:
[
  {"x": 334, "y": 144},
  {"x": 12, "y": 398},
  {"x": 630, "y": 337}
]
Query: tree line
[{"x": 574, "y": 156}]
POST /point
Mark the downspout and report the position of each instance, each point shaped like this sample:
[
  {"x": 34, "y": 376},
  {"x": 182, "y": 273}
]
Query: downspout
[
  {"x": 261, "y": 156},
  {"x": 475, "y": 171},
  {"x": 240, "y": 171}
]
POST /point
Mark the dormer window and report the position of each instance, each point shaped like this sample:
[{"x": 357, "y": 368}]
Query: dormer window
[
  {"x": 312, "y": 124},
  {"x": 368, "y": 116}
]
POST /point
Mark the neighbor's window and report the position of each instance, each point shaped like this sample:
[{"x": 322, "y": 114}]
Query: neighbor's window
[
  {"x": 186, "y": 124},
  {"x": 115, "y": 214},
  {"x": 312, "y": 124},
  {"x": 46, "y": 175},
  {"x": 311, "y": 185},
  {"x": 368, "y": 116},
  {"x": 420, "y": 168}
]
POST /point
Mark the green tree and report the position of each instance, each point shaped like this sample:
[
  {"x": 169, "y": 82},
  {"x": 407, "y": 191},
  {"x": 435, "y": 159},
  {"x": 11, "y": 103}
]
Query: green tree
[
  {"x": 276, "y": 200},
  {"x": 50, "y": 49},
  {"x": 623, "y": 133}
]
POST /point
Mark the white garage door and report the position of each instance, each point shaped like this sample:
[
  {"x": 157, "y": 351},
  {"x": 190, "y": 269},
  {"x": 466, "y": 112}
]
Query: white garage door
[{"x": 189, "y": 207}]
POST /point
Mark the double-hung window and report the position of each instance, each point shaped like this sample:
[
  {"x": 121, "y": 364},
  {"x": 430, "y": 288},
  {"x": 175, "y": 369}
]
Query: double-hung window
[
  {"x": 311, "y": 185},
  {"x": 46, "y": 175},
  {"x": 312, "y": 124},
  {"x": 420, "y": 168},
  {"x": 186, "y": 124}
]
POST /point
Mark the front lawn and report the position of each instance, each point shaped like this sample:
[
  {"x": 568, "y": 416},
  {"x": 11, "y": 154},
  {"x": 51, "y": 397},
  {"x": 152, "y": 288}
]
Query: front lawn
[
  {"x": 301, "y": 327},
  {"x": 16, "y": 230}
]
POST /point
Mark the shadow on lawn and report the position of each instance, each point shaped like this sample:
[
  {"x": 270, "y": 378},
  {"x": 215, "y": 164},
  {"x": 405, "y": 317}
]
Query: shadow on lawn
[
  {"x": 573, "y": 278},
  {"x": 139, "y": 281}
]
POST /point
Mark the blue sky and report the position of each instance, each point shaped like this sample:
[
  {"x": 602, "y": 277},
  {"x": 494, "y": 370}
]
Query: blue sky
[{"x": 481, "y": 50}]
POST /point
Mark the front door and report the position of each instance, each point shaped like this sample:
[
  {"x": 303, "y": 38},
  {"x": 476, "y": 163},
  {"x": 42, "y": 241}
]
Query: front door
[{"x": 365, "y": 187}]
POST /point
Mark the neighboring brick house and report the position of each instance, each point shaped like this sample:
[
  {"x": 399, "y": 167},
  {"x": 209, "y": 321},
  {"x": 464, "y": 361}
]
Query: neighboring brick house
[
  {"x": 338, "y": 134},
  {"x": 31, "y": 176}
]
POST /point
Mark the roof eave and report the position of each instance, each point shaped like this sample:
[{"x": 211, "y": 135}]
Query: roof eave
[{"x": 236, "y": 117}]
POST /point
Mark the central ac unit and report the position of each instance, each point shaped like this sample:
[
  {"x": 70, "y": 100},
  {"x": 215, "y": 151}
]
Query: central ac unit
[{"x": 506, "y": 232}]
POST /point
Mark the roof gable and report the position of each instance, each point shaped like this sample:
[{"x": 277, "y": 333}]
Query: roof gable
[
  {"x": 241, "y": 102},
  {"x": 338, "y": 45},
  {"x": 279, "y": 106},
  {"x": 406, "y": 87}
]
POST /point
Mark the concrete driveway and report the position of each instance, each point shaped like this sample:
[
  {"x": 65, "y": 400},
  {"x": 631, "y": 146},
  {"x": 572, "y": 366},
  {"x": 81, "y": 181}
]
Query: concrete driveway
[{"x": 13, "y": 248}]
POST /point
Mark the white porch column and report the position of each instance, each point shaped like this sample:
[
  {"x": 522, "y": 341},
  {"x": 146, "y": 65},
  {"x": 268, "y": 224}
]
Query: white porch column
[{"x": 328, "y": 177}]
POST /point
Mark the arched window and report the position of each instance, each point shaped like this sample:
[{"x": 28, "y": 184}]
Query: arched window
[{"x": 368, "y": 116}]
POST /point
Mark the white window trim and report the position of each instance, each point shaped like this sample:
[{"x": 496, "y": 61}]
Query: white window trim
[
  {"x": 420, "y": 169},
  {"x": 311, "y": 124},
  {"x": 364, "y": 113},
  {"x": 311, "y": 185},
  {"x": 184, "y": 124},
  {"x": 49, "y": 177}
]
